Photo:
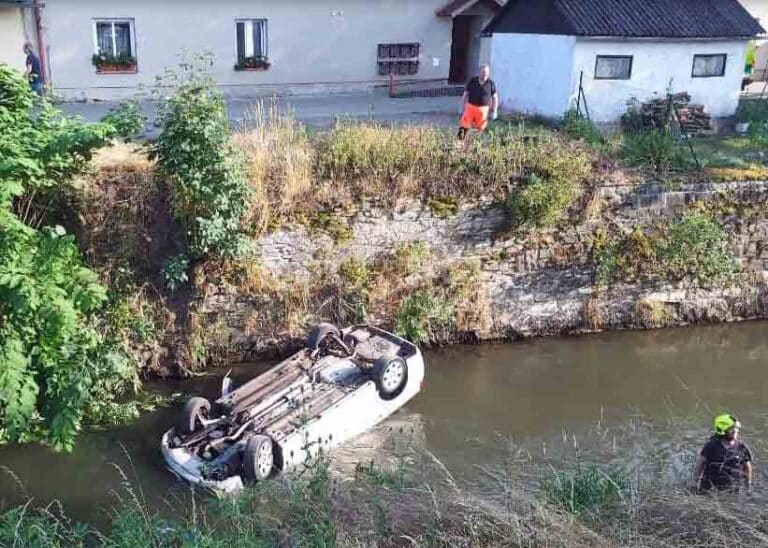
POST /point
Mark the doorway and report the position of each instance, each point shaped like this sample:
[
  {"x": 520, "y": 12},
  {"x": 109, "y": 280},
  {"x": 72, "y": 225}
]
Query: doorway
[{"x": 458, "y": 73}]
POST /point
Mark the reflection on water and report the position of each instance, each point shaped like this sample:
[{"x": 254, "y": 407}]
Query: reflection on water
[{"x": 541, "y": 395}]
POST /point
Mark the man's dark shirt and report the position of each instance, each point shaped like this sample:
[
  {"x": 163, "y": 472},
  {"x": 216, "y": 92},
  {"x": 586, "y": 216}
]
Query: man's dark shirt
[
  {"x": 34, "y": 64},
  {"x": 479, "y": 94},
  {"x": 724, "y": 463}
]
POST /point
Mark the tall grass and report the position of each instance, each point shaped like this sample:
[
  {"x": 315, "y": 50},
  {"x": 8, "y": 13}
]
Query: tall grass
[
  {"x": 296, "y": 173},
  {"x": 625, "y": 486}
]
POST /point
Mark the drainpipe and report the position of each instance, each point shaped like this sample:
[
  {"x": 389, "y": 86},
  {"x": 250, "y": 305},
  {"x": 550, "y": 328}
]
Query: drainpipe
[{"x": 41, "y": 42}]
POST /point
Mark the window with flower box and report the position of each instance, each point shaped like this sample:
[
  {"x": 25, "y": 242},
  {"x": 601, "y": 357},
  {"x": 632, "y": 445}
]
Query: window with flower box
[
  {"x": 114, "y": 46},
  {"x": 252, "y": 51}
]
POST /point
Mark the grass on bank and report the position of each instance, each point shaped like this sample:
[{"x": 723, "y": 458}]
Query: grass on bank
[
  {"x": 627, "y": 486},
  {"x": 295, "y": 173}
]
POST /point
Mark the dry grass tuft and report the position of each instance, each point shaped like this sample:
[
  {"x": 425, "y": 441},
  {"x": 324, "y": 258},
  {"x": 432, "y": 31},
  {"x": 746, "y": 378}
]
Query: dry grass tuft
[{"x": 279, "y": 162}]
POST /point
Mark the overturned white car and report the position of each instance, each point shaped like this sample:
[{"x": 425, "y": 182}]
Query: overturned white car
[{"x": 341, "y": 384}]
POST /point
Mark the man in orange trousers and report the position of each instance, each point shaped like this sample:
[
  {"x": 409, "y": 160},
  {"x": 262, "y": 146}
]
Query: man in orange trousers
[{"x": 480, "y": 100}]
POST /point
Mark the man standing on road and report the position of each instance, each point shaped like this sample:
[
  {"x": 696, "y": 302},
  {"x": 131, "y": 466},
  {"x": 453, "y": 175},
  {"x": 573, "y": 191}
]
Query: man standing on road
[
  {"x": 33, "y": 71},
  {"x": 480, "y": 98},
  {"x": 725, "y": 462}
]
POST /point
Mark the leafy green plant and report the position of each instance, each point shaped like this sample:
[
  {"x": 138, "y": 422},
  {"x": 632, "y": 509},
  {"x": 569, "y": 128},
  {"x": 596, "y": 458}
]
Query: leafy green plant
[
  {"x": 577, "y": 127},
  {"x": 57, "y": 369},
  {"x": 355, "y": 272},
  {"x": 692, "y": 247},
  {"x": 409, "y": 258},
  {"x": 538, "y": 202},
  {"x": 175, "y": 271},
  {"x": 752, "y": 110},
  {"x": 209, "y": 193},
  {"x": 758, "y": 132},
  {"x": 424, "y": 317},
  {"x": 697, "y": 246},
  {"x": 127, "y": 119},
  {"x": 656, "y": 149}
]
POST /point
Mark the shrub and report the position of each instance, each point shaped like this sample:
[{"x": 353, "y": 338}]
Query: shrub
[
  {"x": 538, "y": 202},
  {"x": 209, "y": 192},
  {"x": 655, "y": 149},
  {"x": 694, "y": 247},
  {"x": 424, "y": 317},
  {"x": 577, "y": 127},
  {"x": 752, "y": 110},
  {"x": 758, "y": 132},
  {"x": 697, "y": 246},
  {"x": 57, "y": 369},
  {"x": 127, "y": 119},
  {"x": 409, "y": 258}
]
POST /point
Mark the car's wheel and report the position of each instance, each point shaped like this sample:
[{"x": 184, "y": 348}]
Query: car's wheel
[
  {"x": 319, "y": 332},
  {"x": 258, "y": 458},
  {"x": 391, "y": 376},
  {"x": 195, "y": 411}
]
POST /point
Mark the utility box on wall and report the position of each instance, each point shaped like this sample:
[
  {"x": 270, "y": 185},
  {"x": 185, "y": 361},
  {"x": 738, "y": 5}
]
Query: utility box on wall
[{"x": 399, "y": 59}]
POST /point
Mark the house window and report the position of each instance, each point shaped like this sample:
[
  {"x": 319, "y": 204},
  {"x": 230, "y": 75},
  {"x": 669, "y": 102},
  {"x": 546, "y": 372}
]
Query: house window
[
  {"x": 708, "y": 66},
  {"x": 113, "y": 44},
  {"x": 613, "y": 67},
  {"x": 252, "y": 44}
]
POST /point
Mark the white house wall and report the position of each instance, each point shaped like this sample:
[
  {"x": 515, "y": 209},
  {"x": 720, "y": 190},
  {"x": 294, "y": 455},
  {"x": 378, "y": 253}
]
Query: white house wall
[
  {"x": 313, "y": 44},
  {"x": 654, "y": 65},
  {"x": 12, "y": 37},
  {"x": 533, "y": 72}
]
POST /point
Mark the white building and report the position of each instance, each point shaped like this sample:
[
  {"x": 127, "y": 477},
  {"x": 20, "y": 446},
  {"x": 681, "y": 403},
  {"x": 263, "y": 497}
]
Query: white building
[
  {"x": 18, "y": 24},
  {"x": 619, "y": 49},
  {"x": 282, "y": 46}
]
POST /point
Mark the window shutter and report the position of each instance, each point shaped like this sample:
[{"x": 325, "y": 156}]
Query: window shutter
[{"x": 241, "y": 40}]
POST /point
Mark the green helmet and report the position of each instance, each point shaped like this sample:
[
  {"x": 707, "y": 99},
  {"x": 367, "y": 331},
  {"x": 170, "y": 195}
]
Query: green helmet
[{"x": 723, "y": 423}]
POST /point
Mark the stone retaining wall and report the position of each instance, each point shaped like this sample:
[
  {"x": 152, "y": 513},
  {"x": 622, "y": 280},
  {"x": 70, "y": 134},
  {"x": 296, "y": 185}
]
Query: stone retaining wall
[{"x": 539, "y": 282}]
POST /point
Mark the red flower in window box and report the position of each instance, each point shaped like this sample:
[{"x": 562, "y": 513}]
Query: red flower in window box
[{"x": 106, "y": 63}]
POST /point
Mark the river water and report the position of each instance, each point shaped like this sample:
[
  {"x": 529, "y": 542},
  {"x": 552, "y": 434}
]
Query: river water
[{"x": 477, "y": 402}]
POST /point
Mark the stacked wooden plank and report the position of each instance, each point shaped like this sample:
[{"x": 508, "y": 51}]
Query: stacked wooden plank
[{"x": 693, "y": 118}]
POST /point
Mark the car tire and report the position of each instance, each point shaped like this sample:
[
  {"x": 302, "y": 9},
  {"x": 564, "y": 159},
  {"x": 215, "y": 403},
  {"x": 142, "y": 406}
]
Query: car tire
[
  {"x": 194, "y": 411},
  {"x": 259, "y": 461},
  {"x": 390, "y": 375},
  {"x": 319, "y": 332}
]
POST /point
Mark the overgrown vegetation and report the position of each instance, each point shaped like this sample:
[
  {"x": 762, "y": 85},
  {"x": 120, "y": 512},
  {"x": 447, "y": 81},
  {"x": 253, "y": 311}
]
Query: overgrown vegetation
[
  {"x": 578, "y": 127},
  {"x": 694, "y": 247},
  {"x": 585, "y": 488},
  {"x": 656, "y": 149},
  {"x": 209, "y": 192},
  {"x": 614, "y": 486},
  {"x": 59, "y": 366},
  {"x": 295, "y": 174}
]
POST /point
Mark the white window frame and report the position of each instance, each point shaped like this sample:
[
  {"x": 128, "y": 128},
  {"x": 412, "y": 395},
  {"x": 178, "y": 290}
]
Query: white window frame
[
  {"x": 248, "y": 44},
  {"x": 114, "y": 20}
]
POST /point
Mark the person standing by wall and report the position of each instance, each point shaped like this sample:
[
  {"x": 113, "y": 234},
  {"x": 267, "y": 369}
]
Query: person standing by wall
[
  {"x": 479, "y": 100},
  {"x": 34, "y": 70}
]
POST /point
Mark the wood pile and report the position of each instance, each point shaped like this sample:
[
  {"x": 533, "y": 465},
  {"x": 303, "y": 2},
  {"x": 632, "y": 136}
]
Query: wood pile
[{"x": 653, "y": 114}]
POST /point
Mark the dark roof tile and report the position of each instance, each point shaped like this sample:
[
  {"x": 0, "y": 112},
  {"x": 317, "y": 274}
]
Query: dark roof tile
[{"x": 628, "y": 18}]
